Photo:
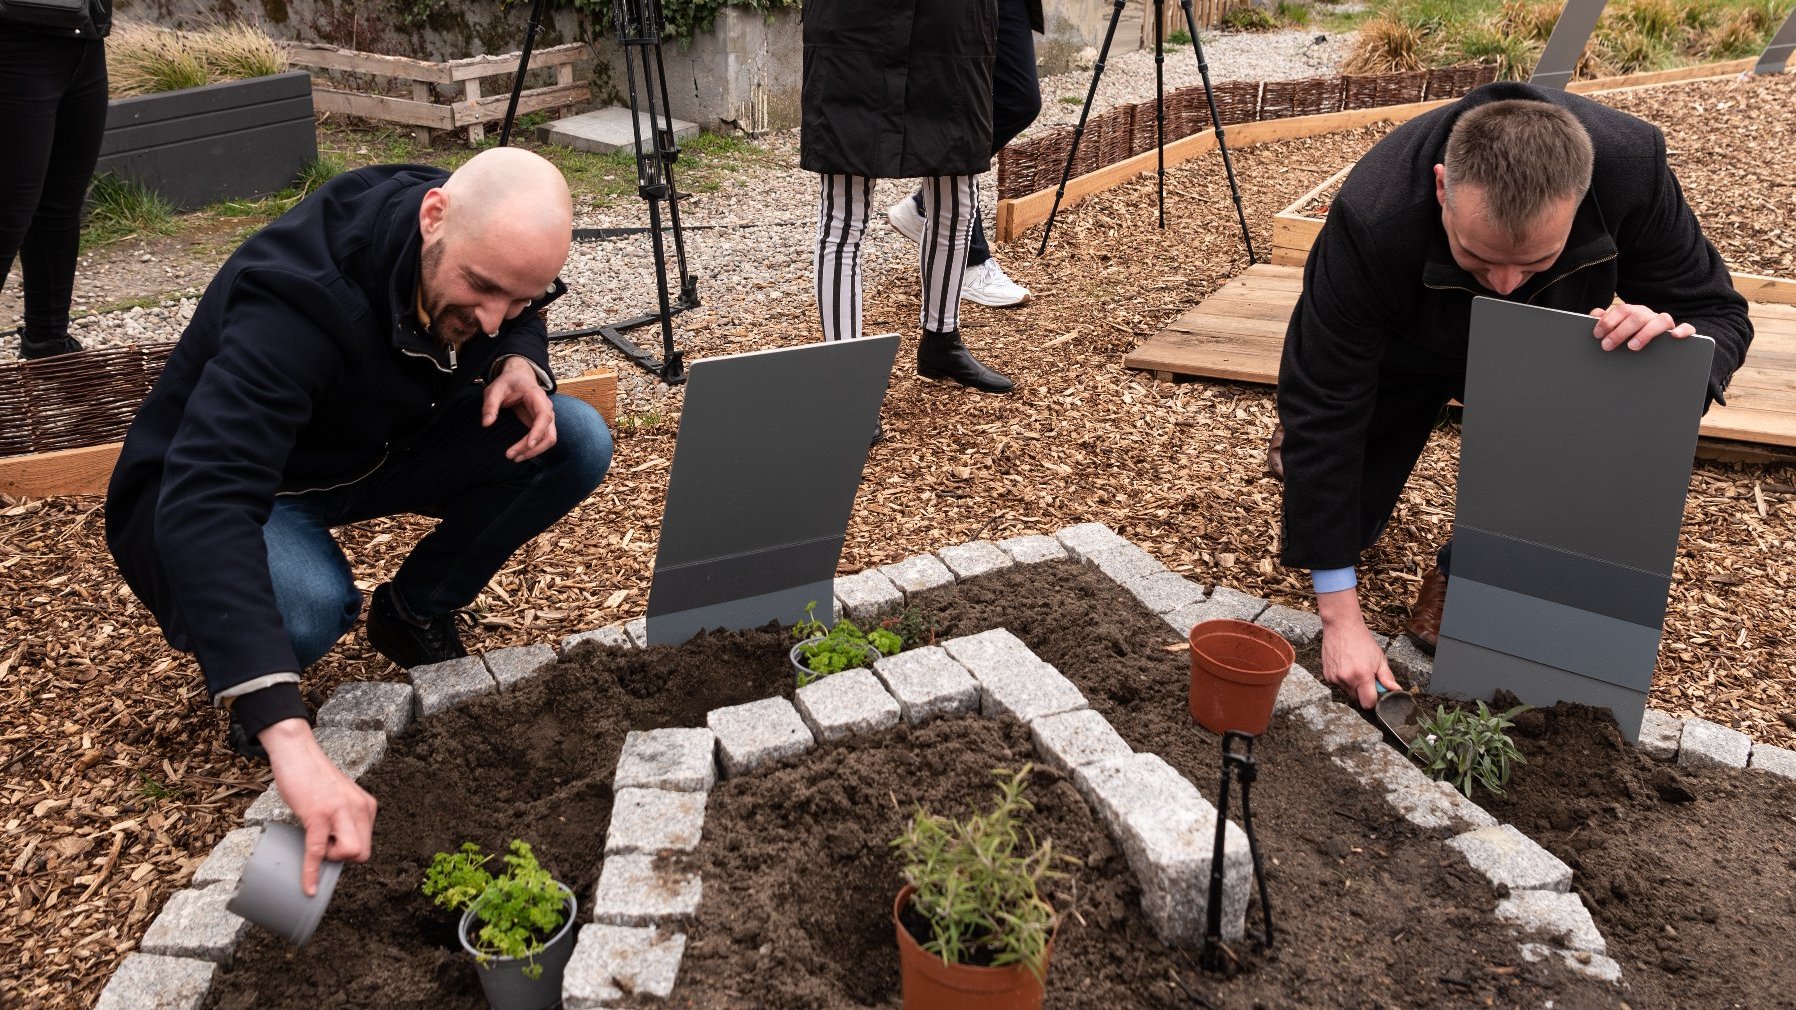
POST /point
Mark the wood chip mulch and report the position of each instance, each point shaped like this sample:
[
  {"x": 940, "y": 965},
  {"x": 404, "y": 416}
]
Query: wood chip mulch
[{"x": 117, "y": 781}]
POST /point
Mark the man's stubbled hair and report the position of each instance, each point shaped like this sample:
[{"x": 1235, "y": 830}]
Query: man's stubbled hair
[{"x": 1524, "y": 156}]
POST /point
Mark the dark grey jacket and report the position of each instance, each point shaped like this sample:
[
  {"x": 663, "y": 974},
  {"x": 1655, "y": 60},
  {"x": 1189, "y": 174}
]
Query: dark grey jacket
[
  {"x": 1384, "y": 303},
  {"x": 898, "y": 88}
]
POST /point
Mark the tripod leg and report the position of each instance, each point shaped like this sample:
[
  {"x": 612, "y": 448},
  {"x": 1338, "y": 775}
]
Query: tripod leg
[
  {"x": 1160, "y": 103},
  {"x": 1228, "y": 166},
  {"x": 653, "y": 163},
  {"x": 1091, "y": 92},
  {"x": 517, "y": 85},
  {"x": 669, "y": 155}
]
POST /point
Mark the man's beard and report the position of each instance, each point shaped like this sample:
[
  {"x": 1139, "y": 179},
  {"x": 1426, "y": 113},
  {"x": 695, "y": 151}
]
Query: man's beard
[{"x": 450, "y": 324}]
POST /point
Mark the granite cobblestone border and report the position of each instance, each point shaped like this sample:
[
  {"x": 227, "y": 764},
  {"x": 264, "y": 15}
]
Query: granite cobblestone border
[{"x": 1165, "y": 827}]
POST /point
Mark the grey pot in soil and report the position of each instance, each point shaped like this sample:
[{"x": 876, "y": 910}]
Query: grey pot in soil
[
  {"x": 802, "y": 671},
  {"x": 503, "y": 979}
]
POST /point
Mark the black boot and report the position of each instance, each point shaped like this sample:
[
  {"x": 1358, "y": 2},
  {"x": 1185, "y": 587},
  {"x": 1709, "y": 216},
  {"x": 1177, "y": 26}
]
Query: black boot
[
  {"x": 944, "y": 356},
  {"x": 409, "y": 640},
  {"x": 32, "y": 347}
]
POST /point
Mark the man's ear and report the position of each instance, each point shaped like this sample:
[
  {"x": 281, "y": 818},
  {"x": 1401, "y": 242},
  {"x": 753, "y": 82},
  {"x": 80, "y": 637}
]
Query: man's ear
[
  {"x": 1440, "y": 184},
  {"x": 432, "y": 214}
]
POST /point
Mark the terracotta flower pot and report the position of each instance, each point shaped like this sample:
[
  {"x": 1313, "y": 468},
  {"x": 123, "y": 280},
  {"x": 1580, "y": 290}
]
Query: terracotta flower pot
[
  {"x": 1236, "y": 670},
  {"x": 928, "y": 984}
]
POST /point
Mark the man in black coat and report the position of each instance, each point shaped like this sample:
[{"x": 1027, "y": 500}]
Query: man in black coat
[
  {"x": 1515, "y": 192},
  {"x": 377, "y": 350}
]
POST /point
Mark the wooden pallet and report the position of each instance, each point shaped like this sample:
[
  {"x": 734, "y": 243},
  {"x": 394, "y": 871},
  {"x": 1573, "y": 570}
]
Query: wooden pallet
[
  {"x": 1238, "y": 333},
  {"x": 87, "y": 469}
]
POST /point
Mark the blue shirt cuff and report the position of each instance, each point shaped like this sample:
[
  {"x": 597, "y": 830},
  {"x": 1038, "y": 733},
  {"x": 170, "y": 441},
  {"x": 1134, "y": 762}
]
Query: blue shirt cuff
[{"x": 1333, "y": 580}]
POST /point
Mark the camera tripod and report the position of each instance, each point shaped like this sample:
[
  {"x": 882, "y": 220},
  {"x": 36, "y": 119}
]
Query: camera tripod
[
  {"x": 1203, "y": 70},
  {"x": 638, "y": 25}
]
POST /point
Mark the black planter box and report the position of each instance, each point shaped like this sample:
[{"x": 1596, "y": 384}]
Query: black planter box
[{"x": 239, "y": 139}]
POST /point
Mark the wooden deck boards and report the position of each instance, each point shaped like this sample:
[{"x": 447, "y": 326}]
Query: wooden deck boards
[{"x": 1238, "y": 332}]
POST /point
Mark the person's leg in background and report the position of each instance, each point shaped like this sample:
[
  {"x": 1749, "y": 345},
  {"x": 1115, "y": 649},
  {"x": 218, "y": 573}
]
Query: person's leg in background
[
  {"x": 951, "y": 205},
  {"x": 1016, "y": 101},
  {"x": 842, "y": 203},
  {"x": 49, "y": 252},
  {"x": 34, "y": 70}
]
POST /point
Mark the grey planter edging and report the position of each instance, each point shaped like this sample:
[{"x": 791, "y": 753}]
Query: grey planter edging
[
  {"x": 235, "y": 140},
  {"x": 665, "y": 775}
]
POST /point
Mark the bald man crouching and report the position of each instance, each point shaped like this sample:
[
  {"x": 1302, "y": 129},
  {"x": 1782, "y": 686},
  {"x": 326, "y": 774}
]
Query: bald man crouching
[{"x": 376, "y": 351}]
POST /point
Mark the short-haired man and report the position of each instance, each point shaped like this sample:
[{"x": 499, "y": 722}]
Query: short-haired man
[
  {"x": 1515, "y": 192},
  {"x": 377, "y": 350}
]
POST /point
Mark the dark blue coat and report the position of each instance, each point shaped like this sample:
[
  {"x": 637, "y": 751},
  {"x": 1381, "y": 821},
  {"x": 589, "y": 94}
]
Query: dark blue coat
[{"x": 303, "y": 368}]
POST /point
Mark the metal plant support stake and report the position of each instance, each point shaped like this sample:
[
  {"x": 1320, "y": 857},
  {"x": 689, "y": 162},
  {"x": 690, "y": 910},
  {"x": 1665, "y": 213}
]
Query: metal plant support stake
[
  {"x": 1215, "y": 957},
  {"x": 1203, "y": 70}
]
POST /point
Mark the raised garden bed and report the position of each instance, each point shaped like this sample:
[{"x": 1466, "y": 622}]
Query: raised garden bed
[{"x": 1295, "y": 228}]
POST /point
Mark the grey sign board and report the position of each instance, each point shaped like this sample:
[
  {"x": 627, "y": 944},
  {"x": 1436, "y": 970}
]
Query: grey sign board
[
  {"x": 1573, "y": 468},
  {"x": 769, "y": 457},
  {"x": 1777, "y": 53},
  {"x": 1570, "y": 34}
]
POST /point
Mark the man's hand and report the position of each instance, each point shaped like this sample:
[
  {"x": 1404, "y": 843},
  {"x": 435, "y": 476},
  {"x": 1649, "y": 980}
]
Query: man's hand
[
  {"x": 337, "y": 814},
  {"x": 1350, "y": 657},
  {"x": 1635, "y": 325},
  {"x": 516, "y": 387}
]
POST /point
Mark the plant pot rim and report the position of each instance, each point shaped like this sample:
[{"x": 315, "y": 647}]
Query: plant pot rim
[
  {"x": 873, "y": 656},
  {"x": 1281, "y": 655},
  {"x": 482, "y": 958},
  {"x": 905, "y": 939}
]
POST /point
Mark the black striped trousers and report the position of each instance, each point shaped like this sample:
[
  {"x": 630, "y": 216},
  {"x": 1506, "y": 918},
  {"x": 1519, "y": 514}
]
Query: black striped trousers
[{"x": 950, "y": 205}]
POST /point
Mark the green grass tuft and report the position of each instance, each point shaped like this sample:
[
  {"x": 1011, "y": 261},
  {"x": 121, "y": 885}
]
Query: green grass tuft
[{"x": 118, "y": 208}]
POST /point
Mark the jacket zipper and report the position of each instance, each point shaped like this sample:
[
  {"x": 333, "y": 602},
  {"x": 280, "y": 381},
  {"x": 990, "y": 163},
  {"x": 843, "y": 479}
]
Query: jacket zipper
[
  {"x": 1543, "y": 287},
  {"x": 385, "y": 451}
]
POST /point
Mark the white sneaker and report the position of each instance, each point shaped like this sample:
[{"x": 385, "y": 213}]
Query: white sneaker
[
  {"x": 987, "y": 284},
  {"x": 907, "y": 219}
]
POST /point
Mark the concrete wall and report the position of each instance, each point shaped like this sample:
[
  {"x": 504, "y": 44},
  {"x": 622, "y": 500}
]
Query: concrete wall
[{"x": 746, "y": 74}]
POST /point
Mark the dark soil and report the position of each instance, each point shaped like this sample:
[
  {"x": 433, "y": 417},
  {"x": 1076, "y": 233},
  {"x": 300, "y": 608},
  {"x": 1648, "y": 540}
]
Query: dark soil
[{"x": 1690, "y": 874}]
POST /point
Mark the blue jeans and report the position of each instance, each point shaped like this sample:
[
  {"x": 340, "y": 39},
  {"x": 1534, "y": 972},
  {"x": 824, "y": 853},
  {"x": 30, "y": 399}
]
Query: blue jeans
[{"x": 455, "y": 472}]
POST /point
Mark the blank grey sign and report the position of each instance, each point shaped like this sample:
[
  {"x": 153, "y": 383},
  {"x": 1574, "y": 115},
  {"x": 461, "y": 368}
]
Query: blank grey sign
[
  {"x": 1570, "y": 34},
  {"x": 1573, "y": 469},
  {"x": 769, "y": 457},
  {"x": 1777, "y": 53}
]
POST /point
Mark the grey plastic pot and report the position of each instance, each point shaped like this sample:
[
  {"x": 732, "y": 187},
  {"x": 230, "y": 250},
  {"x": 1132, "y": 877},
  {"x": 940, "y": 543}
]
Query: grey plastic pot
[
  {"x": 269, "y": 892},
  {"x": 801, "y": 670},
  {"x": 503, "y": 979}
]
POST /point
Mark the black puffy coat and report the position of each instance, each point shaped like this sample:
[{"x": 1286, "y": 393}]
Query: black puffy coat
[{"x": 898, "y": 88}]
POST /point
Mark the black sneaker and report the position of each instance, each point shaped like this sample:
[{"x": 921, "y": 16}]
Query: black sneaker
[
  {"x": 31, "y": 349},
  {"x": 408, "y": 640}
]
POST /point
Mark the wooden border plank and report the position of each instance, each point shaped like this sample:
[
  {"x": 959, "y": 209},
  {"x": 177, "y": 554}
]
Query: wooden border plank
[
  {"x": 404, "y": 111},
  {"x": 312, "y": 54},
  {"x": 492, "y": 108},
  {"x": 1762, "y": 288},
  {"x": 491, "y": 65}
]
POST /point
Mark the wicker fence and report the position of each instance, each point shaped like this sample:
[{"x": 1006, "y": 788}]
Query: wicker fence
[
  {"x": 75, "y": 400},
  {"x": 1128, "y": 130}
]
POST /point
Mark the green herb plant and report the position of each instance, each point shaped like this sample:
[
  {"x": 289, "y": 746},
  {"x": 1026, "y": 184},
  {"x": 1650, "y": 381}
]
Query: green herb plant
[
  {"x": 914, "y": 628},
  {"x": 979, "y": 881},
  {"x": 517, "y": 910},
  {"x": 842, "y": 647},
  {"x": 1468, "y": 748}
]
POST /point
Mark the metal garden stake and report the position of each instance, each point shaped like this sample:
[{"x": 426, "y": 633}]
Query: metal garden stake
[{"x": 1243, "y": 767}]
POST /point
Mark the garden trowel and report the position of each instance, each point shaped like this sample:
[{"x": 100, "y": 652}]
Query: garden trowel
[{"x": 1393, "y": 711}]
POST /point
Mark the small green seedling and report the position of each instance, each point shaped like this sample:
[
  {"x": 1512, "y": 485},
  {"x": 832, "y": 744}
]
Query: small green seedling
[
  {"x": 980, "y": 895},
  {"x": 518, "y": 909},
  {"x": 842, "y": 647},
  {"x": 913, "y": 627},
  {"x": 1468, "y": 748}
]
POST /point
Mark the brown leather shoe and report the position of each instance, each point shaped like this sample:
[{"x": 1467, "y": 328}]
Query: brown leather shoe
[
  {"x": 1275, "y": 455},
  {"x": 1425, "y": 613}
]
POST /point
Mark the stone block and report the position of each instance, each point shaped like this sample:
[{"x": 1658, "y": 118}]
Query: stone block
[
  {"x": 1300, "y": 689},
  {"x": 973, "y": 559},
  {"x": 354, "y": 751},
  {"x": 154, "y": 982},
  {"x": 1163, "y": 591},
  {"x": 1299, "y": 627},
  {"x": 1597, "y": 966},
  {"x": 195, "y": 923},
  {"x": 1032, "y": 550},
  {"x": 1340, "y": 726},
  {"x": 926, "y": 683},
  {"x": 608, "y": 130},
  {"x": 677, "y": 759},
  {"x": 1511, "y": 859},
  {"x": 1417, "y": 798},
  {"x": 1412, "y": 666},
  {"x": 917, "y": 574},
  {"x": 1086, "y": 539},
  {"x": 1168, "y": 832},
  {"x": 441, "y": 686},
  {"x": 511, "y": 667},
  {"x": 225, "y": 864},
  {"x": 850, "y": 703},
  {"x": 612, "y": 962},
  {"x": 1710, "y": 745},
  {"x": 867, "y": 596},
  {"x": 1012, "y": 681},
  {"x": 1124, "y": 564},
  {"x": 1222, "y": 603},
  {"x": 1557, "y": 915},
  {"x": 751, "y": 735},
  {"x": 1776, "y": 760},
  {"x": 637, "y": 631},
  {"x": 1659, "y": 735},
  {"x": 270, "y": 807},
  {"x": 653, "y": 820},
  {"x": 635, "y": 890},
  {"x": 611, "y": 634},
  {"x": 370, "y": 705},
  {"x": 1075, "y": 739}
]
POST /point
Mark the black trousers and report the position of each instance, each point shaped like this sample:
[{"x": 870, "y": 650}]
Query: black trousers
[
  {"x": 1016, "y": 99},
  {"x": 1409, "y": 408},
  {"x": 52, "y": 115}
]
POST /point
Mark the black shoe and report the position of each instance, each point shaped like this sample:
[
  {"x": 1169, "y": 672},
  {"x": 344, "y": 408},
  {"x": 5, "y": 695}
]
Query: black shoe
[
  {"x": 879, "y": 433},
  {"x": 244, "y": 744},
  {"x": 944, "y": 356},
  {"x": 409, "y": 640},
  {"x": 31, "y": 349}
]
